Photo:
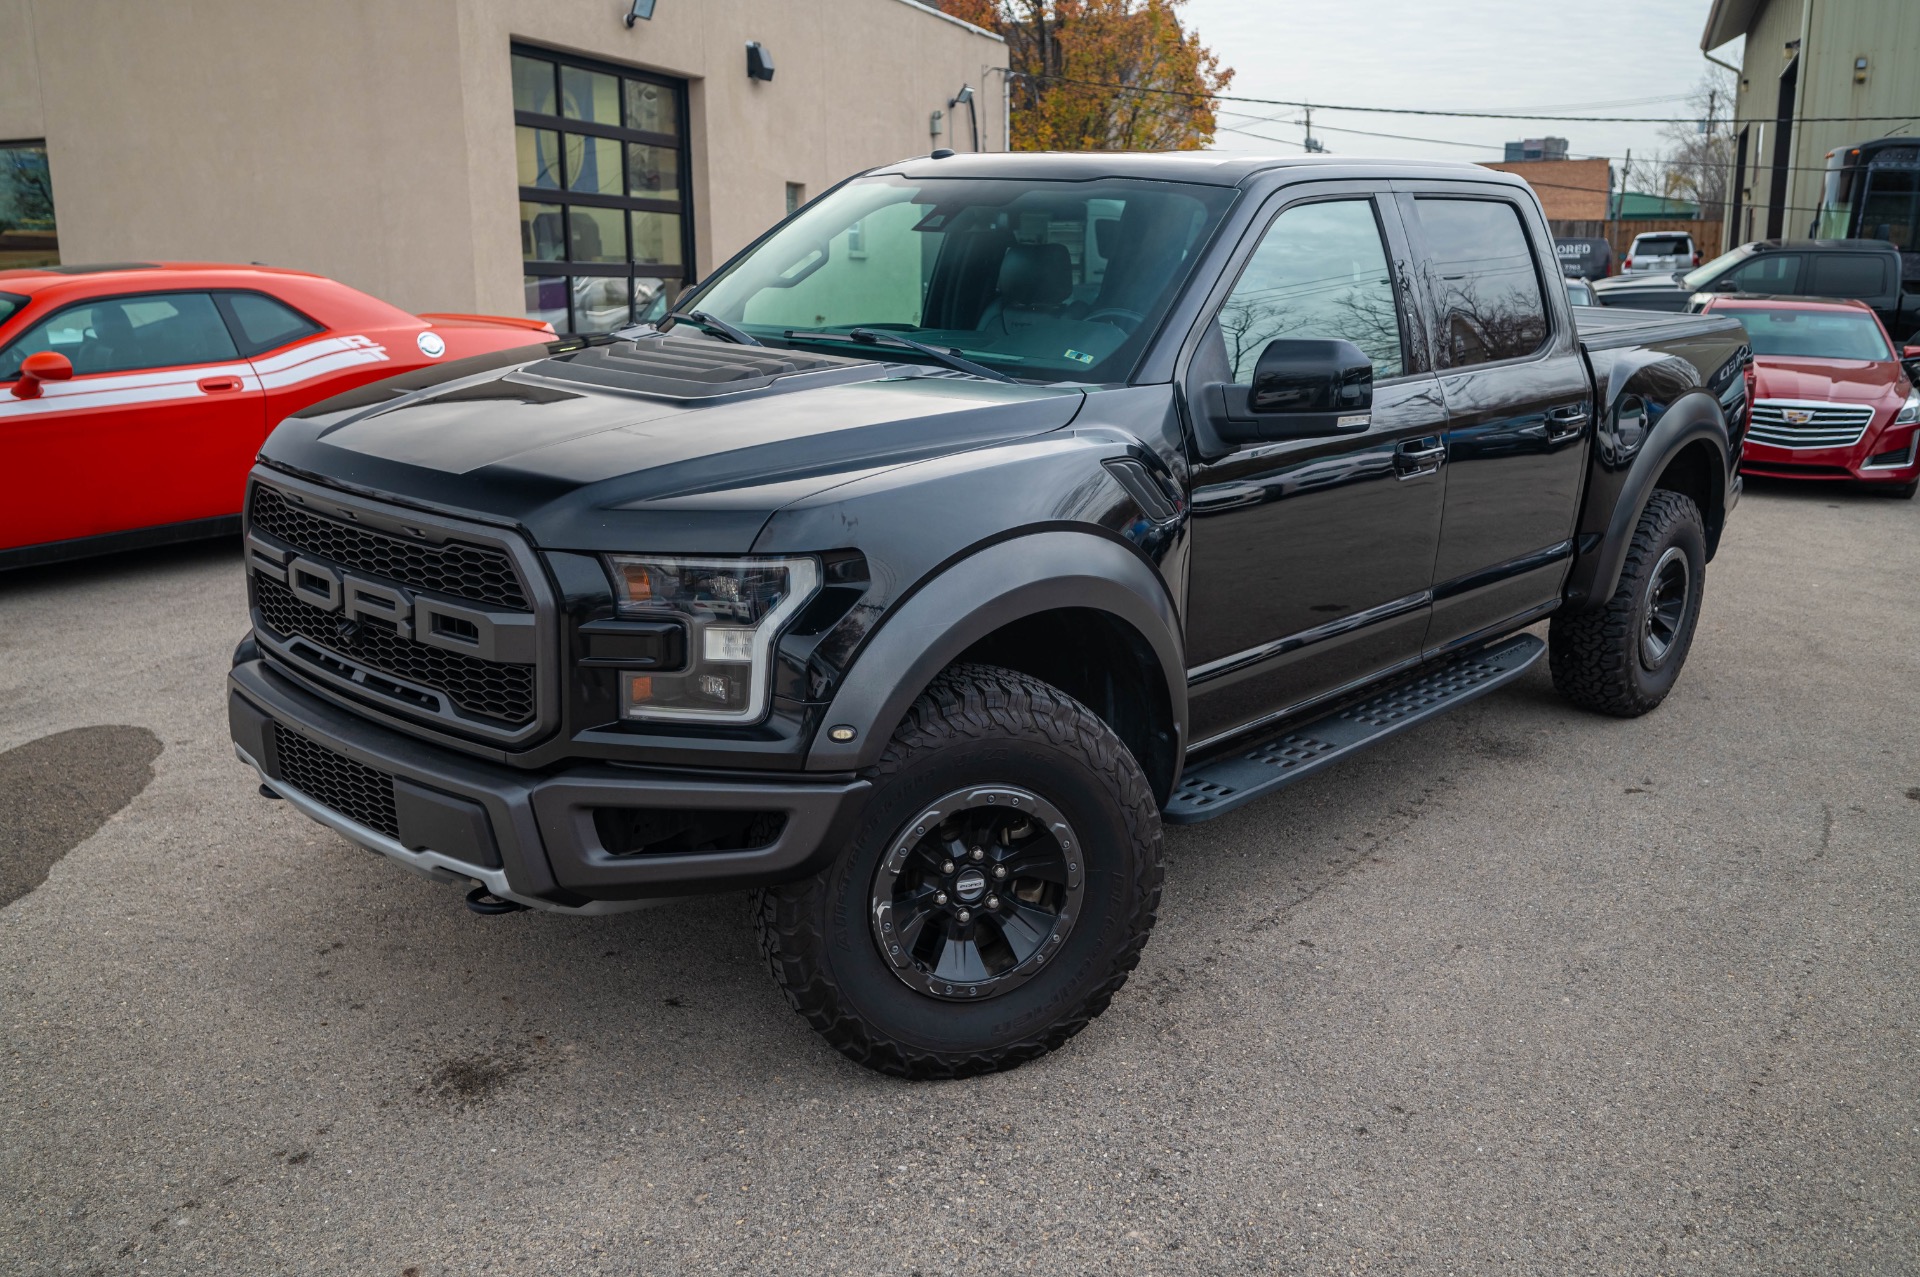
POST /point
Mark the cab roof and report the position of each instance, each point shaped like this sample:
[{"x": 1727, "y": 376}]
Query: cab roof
[
  {"x": 118, "y": 273},
  {"x": 1209, "y": 168}
]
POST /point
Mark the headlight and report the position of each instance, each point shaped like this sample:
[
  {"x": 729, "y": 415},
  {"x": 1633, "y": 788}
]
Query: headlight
[
  {"x": 1910, "y": 410},
  {"x": 733, "y": 609}
]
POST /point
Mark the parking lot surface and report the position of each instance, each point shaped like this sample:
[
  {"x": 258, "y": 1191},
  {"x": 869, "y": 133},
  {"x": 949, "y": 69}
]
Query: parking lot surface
[{"x": 1522, "y": 991}]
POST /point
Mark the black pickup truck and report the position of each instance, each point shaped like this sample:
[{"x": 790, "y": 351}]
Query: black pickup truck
[{"x": 986, "y": 513}]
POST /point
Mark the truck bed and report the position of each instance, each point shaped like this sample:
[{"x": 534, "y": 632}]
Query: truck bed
[{"x": 1610, "y": 327}]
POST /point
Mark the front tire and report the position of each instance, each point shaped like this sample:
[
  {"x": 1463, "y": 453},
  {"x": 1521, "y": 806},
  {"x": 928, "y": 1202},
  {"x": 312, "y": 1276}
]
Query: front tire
[
  {"x": 1623, "y": 658},
  {"x": 997, "y": 891}
]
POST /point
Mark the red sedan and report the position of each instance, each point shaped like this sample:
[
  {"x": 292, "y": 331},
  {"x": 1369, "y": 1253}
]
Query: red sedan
[
  {"x": 1831, "y": 400},
  {"x": 134, "y": 397}
]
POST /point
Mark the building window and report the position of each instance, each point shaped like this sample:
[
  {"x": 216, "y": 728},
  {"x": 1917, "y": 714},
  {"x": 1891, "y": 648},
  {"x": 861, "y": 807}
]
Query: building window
[
  {"x": 606, "y": 232},
  {"x": 27, "y": 236},
  {"x": 796, "y": 196}
]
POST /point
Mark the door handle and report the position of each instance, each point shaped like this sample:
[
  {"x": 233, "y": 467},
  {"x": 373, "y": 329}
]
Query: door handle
[
  {"x": 219, "y": 385},
  {"x": 1420, "y": 456},
  {"x": 1565, "y": 423}
]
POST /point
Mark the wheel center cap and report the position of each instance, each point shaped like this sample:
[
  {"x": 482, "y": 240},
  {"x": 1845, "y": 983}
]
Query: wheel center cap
[{"x": 970, "y": 885}]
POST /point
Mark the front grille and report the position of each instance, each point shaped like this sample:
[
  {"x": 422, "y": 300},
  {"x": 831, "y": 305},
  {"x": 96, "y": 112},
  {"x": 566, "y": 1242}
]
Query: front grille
[
  {"x": 361, "y": 793},
  {"x": 1823, "y": 426},
  {"x": 478, "y": 573},
  {"x": 492, "y": 690}
]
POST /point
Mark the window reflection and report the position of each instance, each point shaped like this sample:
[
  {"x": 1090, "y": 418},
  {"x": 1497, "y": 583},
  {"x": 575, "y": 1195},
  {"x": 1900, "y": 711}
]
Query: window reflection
[
  {"x": 589, "y": 95},
  {"x": 1320, "y": 272},
  {"x": 1482, "y": 278}
]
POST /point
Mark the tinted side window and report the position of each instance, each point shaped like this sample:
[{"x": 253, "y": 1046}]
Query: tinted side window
[
  {"x": 1769, "y": 273},
  {"x": 1847, "y": 275},
  {"x": 1320, "y": 271},
  {"x": 125, "y": 334},
  {"x": 262, "y": 324},
  {"x": 1483, "y": 282}
]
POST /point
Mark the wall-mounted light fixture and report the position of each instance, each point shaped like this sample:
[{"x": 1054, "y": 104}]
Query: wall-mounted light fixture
[
  {"x": 1859, "y": 70},
  {"x": 642, "y": 11},
  {"x": 965, "y": 96},
  {"x": 759, "y": 62}
]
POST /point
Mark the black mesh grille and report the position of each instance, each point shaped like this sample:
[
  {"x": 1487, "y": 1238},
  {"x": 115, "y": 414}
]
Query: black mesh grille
[
  {"x": 474, "y": 572},
  {"x": 361, "y": 793},
  {"x": 496, "y": 691}
]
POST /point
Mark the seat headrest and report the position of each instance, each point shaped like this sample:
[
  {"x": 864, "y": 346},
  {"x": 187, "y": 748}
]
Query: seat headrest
[{"x": 1036, "y": 275}]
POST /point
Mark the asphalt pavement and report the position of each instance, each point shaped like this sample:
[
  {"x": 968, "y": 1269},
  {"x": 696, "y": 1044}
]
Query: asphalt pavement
[{"x": 1524, "y": 990}]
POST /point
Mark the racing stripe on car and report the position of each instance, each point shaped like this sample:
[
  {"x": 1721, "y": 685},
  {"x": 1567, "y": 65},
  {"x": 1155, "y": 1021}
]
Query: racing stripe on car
[
  {"x": 157, "y": 386},
  {"x": 302, "y": 363},
  {"x": 318, "y": 359}
]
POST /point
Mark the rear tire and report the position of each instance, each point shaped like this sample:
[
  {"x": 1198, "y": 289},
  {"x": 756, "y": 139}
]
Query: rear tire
[
  {"x": 1012, "y": 769},
  {"x": 1623, "y": 658}
]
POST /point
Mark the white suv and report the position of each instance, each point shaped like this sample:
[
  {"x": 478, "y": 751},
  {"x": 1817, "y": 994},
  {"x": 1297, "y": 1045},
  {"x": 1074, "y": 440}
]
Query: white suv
[{"x": 1660, "y": 252}]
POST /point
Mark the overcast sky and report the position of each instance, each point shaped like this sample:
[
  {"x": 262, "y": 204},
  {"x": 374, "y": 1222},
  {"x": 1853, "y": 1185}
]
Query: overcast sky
[{"x": 1478, "y": 55}]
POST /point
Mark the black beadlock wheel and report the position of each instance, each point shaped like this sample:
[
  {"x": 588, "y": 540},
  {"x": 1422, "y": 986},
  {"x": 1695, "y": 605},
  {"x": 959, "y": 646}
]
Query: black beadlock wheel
[
  {"x": 998, "y": 889},
  {"x": 1623, "y": 658}
]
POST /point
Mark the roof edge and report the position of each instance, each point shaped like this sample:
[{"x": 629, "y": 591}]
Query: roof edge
[
  {"x": 958, "y": 22},
  {"x": 1727, "y": 21}
]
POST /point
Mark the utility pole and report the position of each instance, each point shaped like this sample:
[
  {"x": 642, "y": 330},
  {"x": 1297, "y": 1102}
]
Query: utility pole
[{"x": 1312, "y": 145}]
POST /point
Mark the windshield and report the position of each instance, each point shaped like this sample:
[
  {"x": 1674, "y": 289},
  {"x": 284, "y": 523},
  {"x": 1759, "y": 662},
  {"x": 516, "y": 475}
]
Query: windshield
[
  {"x": 1813, "y": 334},
  {"x": 10, "y": 306},
  {"x": 1891, "y": 209},
  {"x": 1700, "y": 276},
  {"x": 1045, "y": 281}
]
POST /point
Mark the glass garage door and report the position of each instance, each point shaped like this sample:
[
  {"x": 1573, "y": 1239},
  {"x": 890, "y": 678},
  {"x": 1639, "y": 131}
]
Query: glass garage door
[{"x": 605, "y": 231}]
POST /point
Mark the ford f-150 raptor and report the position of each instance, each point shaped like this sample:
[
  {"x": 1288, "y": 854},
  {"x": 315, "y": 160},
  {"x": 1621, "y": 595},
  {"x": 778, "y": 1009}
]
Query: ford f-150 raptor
[{"x": 986, "y": 513}]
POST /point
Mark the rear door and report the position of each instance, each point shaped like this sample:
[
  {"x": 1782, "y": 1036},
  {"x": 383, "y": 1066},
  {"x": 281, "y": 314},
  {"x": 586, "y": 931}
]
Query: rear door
[
  {"x": 1311, "y": 557},
  {"x": 1518, "y": 403},
  {"x": 142, "y": 435}
]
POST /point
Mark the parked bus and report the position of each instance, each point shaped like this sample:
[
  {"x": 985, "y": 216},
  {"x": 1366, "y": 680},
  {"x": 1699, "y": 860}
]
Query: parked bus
[{"x": 1872, "y": 191}]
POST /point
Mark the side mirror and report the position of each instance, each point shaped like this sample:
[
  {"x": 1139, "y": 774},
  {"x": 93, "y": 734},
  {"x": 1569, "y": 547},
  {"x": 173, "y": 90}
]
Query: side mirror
[
  {"x": 1724, "y": 284},
  {"x": 43, "y": 365},
  {"x": 1301, "y": 388}
]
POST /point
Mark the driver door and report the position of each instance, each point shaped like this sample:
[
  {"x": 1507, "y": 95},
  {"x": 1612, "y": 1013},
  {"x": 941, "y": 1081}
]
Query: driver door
[{"x": 1312, "y": 560}]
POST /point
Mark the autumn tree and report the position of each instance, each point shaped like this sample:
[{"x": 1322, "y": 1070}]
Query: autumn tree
[{"x": 1103, "y": 75}]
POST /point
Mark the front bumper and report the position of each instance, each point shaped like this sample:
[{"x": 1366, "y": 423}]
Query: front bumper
[
  {"x": 1851, "y": 462},
  {"x": 529, "y": 838}
]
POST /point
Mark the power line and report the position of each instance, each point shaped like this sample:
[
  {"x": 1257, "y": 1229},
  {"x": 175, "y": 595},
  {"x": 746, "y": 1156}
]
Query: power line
[{"x": 1476, "y": 115}]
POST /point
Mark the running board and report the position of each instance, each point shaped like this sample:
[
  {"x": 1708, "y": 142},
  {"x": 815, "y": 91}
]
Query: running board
[{"x": 1218, "y": 787}]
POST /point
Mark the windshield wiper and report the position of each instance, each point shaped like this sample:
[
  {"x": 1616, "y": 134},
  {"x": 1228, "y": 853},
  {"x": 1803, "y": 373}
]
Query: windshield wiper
[
  {"x": 718, "y": 327},
  {"x": 868, "y": 337}
]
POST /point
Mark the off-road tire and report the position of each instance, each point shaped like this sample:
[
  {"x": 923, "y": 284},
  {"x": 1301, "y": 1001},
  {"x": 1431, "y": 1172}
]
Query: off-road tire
[
  {"x": 976, "y": 724},
  {"x": 1596, "y": 656}
]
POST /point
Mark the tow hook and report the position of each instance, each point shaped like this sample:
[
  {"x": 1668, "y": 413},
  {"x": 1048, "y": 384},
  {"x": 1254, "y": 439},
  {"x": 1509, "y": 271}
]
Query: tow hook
[{"x": 488, "y": 905}]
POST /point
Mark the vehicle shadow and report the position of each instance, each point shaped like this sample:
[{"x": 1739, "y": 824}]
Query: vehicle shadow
[
  {"x": 91, "y": 572},
  {"x": 1832, "y": 491}
]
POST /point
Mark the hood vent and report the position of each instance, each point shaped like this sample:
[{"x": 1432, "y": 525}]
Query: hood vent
[{"x": 697, "y": 368}]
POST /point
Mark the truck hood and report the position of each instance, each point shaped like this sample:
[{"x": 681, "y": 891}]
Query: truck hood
[
  {"x": 670, "y": 446},
  {"x": 1825, "y": 380}
]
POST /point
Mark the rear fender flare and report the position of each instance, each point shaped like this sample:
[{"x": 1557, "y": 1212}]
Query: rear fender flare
[
  {"x": 1596, "y": 572},
  {"x": 977, "y": 595}
]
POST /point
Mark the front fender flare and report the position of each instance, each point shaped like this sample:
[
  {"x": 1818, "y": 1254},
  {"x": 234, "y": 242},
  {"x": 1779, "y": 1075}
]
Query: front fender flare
[
  {"x": 1596, "y": 571},
  {"x": 970, "y": 599}
]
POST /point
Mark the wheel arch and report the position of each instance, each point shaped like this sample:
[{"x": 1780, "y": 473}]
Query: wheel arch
[
  {"x": 1083, "y": 612},
  {"x": 1685, "y": 452}
]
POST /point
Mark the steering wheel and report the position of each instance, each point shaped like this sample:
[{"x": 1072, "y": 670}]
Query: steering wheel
[{"x": 1125, "y": 320}]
